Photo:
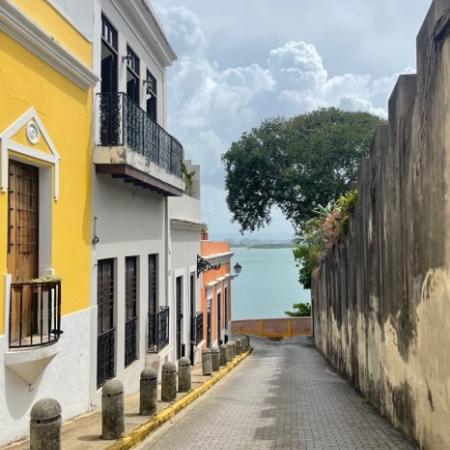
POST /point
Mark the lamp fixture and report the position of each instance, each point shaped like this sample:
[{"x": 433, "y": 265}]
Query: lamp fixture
[
  {"x": 203, "y": 265},
  {"x": 237, "y": 269},
  {"x": 127, "y": 58}
]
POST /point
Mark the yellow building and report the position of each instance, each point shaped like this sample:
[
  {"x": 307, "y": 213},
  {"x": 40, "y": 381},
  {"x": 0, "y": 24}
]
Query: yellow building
[{"x": 45, "y": 207}]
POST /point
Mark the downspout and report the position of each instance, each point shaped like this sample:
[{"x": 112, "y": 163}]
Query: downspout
[{"x": 168, "y": 273}]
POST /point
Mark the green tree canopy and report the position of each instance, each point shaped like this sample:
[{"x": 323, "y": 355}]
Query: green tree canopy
[
  {"x": 296, "y": 164},
  {"x": 300, "y": 310}
]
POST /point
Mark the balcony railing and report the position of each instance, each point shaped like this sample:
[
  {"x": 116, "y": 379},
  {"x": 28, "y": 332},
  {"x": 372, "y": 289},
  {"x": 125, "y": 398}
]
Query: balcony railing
[
  {"x": 198, "y": 328},
  {"x": 34, "y": 314},
  {"x": 124, "y": 123},
  {"x": 158, "y": 330}
]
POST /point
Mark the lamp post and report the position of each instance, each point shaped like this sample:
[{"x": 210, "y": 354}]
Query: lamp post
[{"x": 237, "y": 269}]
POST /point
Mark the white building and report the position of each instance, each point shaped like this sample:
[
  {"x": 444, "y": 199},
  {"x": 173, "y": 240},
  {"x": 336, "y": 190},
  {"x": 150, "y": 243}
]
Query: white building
[
  {"x": 185, "y": 235},
  {"x": 138, "y": 189}
]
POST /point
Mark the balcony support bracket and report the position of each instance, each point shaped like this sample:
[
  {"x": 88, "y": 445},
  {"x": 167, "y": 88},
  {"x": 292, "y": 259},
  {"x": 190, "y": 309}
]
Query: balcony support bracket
[{"x": 28, "y": 364}]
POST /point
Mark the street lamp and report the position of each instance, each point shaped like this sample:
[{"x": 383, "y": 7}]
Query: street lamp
[{"x": 237, "y": 269}]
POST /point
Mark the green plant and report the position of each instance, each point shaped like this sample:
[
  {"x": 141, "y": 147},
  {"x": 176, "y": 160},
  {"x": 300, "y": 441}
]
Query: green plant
[
  {"x": 321, "y": 233},
  {"x": 300, "y": 310},
  {"x": 188, "y": 178}
]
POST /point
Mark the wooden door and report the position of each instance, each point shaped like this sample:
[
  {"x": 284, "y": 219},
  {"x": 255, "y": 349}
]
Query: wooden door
[
  {"x": 23, "y": 244},
  {"x": 23, "y": 207}
]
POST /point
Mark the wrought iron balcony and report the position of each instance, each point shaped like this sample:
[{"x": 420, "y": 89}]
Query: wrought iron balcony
[
  {"x": 34, "y": 314},
  {"x": 158, "y": 330},
  {"x": 141, "y": 145},
  {"x": 198, "y": 328}
]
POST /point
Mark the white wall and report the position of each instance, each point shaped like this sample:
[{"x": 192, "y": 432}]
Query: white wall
[
  {"x": 79, "y": 13},
  {"x": 65, "y": 379},
  {"x": 131, "y": 221},
  {"x": 184, "y": 248},
  {"x": 185, "y": 208}
]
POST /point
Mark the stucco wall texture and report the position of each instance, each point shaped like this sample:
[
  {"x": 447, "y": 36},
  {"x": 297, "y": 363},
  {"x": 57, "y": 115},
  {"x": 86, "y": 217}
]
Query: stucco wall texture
[{"x": 382, "y": 297}]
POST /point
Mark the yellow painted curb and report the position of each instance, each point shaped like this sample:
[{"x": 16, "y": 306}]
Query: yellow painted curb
[{"x": 139, "y": 434}]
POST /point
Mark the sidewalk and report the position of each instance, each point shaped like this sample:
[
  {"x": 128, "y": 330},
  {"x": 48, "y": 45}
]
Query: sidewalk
[{"x": 84, "y": 432}]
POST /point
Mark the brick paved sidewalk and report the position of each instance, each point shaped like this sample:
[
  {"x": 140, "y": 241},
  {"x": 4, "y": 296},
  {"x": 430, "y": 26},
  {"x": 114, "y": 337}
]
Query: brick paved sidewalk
[
  {"x": 83, "y": 432},
  {"x": 285, "y": 396}
]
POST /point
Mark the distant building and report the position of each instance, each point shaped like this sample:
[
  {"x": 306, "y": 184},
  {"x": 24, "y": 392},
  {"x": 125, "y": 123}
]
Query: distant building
[{"x": 216, "y": 292}]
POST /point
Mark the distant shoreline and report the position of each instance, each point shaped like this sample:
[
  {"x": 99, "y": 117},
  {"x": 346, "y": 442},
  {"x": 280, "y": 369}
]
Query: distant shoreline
[{"x": 262, "y": 246}]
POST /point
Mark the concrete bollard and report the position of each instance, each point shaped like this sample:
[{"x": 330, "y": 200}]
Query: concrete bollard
[
  {"x": 238, "y": 342},
  {"x": 184, "y": 375},
  {"x": 148, "y": 392},
  {"x": 230, "y": 346},
  {"x": 215, "y": 358},
  {"x": 206, "y": 361},
  {"x": 45, "y": 425},
  {"x": 113, "y": 424},
  {"x": 169, "y": 382},
  {"x": 243, "y": 344},
  {"x": 247, "y": 343},
  {"x": 223, "y": 355}
]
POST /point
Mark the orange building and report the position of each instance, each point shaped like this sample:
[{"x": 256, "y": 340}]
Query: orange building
[{"x": 216, "y": 291}]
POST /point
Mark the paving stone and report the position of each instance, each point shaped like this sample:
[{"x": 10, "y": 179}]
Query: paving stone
[{"x": 285, "y": 396}]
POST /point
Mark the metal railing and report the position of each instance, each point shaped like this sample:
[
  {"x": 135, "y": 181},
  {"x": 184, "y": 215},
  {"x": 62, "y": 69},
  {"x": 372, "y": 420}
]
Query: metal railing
[
  {"x": 198, "y": 328},
  {"x": 130, "y": 341},
  {"x": 105, "y": 356},
  {"x": 124, "y": 123},
  {"x": 34, "y": 314},
  {"x": 158, "y": 330}
]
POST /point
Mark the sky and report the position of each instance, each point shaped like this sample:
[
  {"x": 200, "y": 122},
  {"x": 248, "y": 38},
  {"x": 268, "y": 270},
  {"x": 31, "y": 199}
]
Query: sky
[{"x": 242, "y": 61}]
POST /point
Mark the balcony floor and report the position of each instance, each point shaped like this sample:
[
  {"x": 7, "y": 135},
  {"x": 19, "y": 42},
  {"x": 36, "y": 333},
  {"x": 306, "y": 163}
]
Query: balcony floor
[
  {"x": 131, "y": 175},
  {"x": 27, "y": 342}
]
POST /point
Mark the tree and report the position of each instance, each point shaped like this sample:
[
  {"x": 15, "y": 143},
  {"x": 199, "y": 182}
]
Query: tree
[
  {"x": 300, "y": 310},
  {"x": 296, "y": 164}
]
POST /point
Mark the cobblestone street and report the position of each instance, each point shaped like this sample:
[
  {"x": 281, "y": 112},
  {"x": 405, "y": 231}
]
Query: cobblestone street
[{"x": 284, "y": 396}]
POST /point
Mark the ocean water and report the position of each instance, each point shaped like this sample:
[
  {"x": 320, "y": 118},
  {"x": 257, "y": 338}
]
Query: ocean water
[{"x": 268, "y": 284}]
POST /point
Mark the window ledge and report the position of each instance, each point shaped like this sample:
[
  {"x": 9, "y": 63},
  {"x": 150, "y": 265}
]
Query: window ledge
[{"x": 29, "y": 363}]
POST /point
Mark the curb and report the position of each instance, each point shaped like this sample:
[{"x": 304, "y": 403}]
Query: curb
[{"x": 139, "y": 434}]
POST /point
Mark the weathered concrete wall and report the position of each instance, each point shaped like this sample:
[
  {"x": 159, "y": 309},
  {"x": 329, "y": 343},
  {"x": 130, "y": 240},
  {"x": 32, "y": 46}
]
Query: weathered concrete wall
[{"x": 382, "y": 297}]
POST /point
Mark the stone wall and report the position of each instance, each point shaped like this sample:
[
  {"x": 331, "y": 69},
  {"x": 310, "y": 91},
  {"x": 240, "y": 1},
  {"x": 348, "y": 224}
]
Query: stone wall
[{"x": 381, "y": 298}]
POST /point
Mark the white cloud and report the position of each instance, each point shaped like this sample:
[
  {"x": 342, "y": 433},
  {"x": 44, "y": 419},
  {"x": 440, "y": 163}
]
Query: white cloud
[{"x": 210, "y": 106}]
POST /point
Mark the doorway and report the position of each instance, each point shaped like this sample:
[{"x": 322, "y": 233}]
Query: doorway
[
  {"x": 179, "y": 315},
  {"x": 105, "y": 321},
  {"x": 23, "y": 247},
  {"x": 219, "y": 318}
]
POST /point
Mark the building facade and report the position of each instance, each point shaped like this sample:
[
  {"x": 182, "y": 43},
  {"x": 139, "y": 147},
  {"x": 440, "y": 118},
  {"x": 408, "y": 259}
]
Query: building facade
[
  {"x": 137, "y": 173},
  {"x": 216, "y": 292},
  {"x": 99, "y": 234},
  {"x": 45, "y": 197}
]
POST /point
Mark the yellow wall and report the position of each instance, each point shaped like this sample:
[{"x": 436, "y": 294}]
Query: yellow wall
[
  {"x": 66, "y": 111},
  {"x": 49, "y": 19}
]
